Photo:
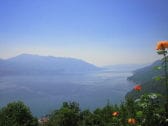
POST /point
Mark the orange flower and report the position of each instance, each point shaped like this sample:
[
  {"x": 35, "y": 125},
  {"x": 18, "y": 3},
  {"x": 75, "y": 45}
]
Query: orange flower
[
  {"x": 131, "y": 121},
  {"x": 115, "y": 113},
  {"x": 138, "y": 88},
  {"x": 162, "y": 45}
]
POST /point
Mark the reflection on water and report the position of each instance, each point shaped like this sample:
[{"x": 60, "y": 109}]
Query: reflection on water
[{"x": 45, "y": 93}]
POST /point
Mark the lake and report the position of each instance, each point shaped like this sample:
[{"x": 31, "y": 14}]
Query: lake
[{"x": 46, "y": 93}]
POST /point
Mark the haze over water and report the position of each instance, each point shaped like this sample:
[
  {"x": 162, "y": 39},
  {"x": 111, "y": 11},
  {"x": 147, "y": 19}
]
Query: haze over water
[{"x": 45, "y": 93}]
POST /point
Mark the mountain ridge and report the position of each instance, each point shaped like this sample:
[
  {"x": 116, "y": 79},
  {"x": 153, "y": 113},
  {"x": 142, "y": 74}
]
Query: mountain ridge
[{"x": 35, "y": 64}]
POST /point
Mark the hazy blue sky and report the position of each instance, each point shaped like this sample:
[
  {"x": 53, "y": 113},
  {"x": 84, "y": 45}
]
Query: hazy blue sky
[{"x": 102, "y": 32}]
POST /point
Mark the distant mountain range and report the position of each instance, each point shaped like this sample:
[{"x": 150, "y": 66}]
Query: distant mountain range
[{"x": 26, "y": 64}]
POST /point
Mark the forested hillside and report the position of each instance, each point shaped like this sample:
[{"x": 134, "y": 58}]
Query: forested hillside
[
  {"x": 147, "y": 73},
  {"x": 150, "y": 79}
]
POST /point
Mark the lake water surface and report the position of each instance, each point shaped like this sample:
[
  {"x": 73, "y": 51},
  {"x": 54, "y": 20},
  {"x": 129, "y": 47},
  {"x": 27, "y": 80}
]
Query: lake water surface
[{"x": 46, "y": 93}]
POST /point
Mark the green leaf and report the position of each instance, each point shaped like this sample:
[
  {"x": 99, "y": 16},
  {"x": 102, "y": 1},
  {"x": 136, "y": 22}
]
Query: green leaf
[
  {"x": 139, "y": 114},
  {"x": 157, "y": 78},
  {"x": 157, "y": 68},
  {"x": 160, "y": 52}
]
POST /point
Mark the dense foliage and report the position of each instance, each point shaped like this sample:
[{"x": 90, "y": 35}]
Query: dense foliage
[
  {"x": 145, "y": 111},
  {"x": 16, "y": 114},
  {"x": 67, "y": 115}
]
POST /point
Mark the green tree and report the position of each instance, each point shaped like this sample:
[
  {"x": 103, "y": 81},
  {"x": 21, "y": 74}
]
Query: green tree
[
  {"x": 86, "y": 118},
  {"x": 67, "y": 115},
  {"x": 17, "y": 114}
]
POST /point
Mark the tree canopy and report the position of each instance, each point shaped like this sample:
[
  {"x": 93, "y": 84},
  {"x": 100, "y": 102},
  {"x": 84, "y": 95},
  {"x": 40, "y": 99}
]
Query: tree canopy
[{"x": 17, "y": 114}]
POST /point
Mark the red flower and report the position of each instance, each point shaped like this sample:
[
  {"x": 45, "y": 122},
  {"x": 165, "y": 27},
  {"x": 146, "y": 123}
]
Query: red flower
[
  {"x": 131, "y": 121},
  {"x": 115, "y": 113},
  {"x": 138, "y": 88}
]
